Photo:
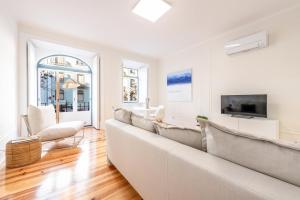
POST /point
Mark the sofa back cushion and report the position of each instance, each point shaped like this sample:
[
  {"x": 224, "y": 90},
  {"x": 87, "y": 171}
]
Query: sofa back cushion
[
  {"x": 41, "y": 117},
  {"x": 190, "y": 137},
  {"x": 141, "y": 122},
  {"x": 122, "y": 115},
  {"x": 272, "y": 157}
]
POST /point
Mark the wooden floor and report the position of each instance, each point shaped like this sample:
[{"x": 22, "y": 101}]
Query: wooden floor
[{"x": 74, "y": 173}]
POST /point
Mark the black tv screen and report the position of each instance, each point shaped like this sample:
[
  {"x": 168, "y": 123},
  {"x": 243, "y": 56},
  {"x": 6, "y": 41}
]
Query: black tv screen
[{"x": 247, "y": 105}]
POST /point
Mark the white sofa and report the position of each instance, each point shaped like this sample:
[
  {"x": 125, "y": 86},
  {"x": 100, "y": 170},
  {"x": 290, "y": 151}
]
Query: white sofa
[{"x": 161, "y": 169}]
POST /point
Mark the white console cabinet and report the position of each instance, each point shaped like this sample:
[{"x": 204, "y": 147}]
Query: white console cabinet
[{"x": 261, "y": 127}]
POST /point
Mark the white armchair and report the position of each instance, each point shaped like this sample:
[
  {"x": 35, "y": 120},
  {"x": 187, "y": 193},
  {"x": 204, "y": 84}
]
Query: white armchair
[{"x": 41, "y": 121}]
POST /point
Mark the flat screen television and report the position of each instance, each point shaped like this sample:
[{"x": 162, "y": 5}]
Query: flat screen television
[{"x": 244, "y": 105}]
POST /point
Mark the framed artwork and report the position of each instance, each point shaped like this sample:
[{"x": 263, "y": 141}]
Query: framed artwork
[{"x": 179, "y": 86}]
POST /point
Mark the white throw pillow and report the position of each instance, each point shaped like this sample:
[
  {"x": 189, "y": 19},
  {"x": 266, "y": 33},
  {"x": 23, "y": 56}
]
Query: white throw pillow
[
  {"x": 160, "y": 114},
  {"x": 41, "y": 117}
]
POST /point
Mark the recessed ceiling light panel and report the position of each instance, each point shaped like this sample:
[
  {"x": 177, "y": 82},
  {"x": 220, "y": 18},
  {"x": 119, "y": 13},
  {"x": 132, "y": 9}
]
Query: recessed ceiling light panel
[{"x": 151, "y": 10}]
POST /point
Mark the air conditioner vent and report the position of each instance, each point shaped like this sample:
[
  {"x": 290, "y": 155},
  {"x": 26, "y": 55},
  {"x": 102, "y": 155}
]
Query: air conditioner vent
[{"x": 257, "y": 40}]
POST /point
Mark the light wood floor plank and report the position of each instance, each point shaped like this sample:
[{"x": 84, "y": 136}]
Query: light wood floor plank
[{"x": 73, "y": 173}]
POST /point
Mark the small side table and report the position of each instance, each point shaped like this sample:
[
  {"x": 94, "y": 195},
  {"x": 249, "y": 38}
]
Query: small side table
[{"x": 23, "y": 151}]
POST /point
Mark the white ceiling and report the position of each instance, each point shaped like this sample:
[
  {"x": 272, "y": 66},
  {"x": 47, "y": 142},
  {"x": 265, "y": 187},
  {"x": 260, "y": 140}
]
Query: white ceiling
[{"x": 111, "y": 22}]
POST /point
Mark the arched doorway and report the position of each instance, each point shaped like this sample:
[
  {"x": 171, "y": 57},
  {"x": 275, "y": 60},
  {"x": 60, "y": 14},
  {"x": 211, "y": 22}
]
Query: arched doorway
[{"x": 74, "y": 103}]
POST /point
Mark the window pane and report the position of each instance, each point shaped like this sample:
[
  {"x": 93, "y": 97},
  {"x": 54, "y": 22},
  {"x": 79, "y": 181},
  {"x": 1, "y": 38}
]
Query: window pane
[
  {"x": 64, "y": 63},
  {"x": 135, "y": 81},
  {"x": 48, "y": 90},
  {"x": 130, "y": 89},
  {"x": 66, "y": 105},
  {"x": 47, "y": 87},
  {"x": 130, "y": 72},
  {"x": 83, "y": 92}
]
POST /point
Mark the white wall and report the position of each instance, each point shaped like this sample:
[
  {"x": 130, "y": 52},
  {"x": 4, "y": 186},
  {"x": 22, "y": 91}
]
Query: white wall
[
  {"x": 110, "y": 61},
  {"x": 274, "y": 70},
  {"x": 8, "y": 80}
]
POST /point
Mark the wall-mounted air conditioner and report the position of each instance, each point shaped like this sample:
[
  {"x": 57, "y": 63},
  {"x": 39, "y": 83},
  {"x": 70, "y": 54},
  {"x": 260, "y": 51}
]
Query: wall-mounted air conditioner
[{"x": 257, "y": 40}]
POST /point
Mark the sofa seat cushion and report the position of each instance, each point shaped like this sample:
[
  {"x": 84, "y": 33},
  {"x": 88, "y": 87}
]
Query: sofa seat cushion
[
  {"x": 60, "y": 131},
  {"x": 272, "y": 157}
]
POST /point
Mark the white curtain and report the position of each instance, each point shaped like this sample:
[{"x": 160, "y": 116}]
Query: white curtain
[
  {"x": 31, "y": 75},
  {"x": 96, "y": 92}
]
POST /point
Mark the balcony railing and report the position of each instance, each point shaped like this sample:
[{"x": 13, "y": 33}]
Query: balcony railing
[{"x": 68, "y": 107}]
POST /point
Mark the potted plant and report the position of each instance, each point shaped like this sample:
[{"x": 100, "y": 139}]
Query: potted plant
[{"x": 202, "y": 121}]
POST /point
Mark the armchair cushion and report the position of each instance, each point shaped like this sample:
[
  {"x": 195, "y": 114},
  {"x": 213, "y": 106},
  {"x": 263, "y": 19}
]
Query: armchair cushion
[
  {"x": 60, "y": 131},
  {"x": 41, "y": 117}
]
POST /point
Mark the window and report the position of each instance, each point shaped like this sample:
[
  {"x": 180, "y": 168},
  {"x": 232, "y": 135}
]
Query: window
[
  {"x": 130, "y": 85},
  {"x": 134, "y": 82},
  {"x": 67, "y": 69}
]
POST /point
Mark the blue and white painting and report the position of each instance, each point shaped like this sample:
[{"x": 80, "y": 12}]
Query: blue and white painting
[{"x": 179, "y": 86}]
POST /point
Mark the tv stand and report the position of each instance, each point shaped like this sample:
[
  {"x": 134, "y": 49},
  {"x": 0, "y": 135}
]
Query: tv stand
[{"x": 242, "y": 116}]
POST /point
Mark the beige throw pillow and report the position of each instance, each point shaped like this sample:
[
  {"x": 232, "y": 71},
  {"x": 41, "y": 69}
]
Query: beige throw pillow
[
  {"x": 190, "y": 137},
  {"x": 122, "y": 115},
  {"x": 141, "y": 122},
  {"x": 41, "y": 117}
]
